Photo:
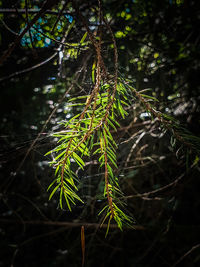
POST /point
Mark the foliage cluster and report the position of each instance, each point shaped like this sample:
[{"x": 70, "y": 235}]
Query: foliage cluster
[{"x": 122, "y": 131}]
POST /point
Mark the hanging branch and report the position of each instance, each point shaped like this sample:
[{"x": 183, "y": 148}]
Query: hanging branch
[
  {"x": 99, "y": 114},
  {"x": 181, "y": 134}
]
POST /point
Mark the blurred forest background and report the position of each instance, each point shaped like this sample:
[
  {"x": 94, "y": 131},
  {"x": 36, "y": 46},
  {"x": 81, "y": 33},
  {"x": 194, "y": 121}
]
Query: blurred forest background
[{"x": 50, "y": 62}]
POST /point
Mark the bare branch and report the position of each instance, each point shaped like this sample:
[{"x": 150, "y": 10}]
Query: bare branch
[
  {"x": 186, "y": 254},
  {"x": 8, "y": 28},
  {"x": 28, "y": 69},
  {"x": 48, "y": 4},
  {"x": 30, "y": 11},
  {"x": 68, "y": 224}
]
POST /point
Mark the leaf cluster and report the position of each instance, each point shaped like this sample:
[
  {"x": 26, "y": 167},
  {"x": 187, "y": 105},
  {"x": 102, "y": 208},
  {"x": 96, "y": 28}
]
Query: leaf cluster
[{"x": 88, "y": 134}]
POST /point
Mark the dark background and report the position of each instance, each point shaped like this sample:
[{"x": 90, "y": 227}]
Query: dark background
[{"x": 158, "y": 46}]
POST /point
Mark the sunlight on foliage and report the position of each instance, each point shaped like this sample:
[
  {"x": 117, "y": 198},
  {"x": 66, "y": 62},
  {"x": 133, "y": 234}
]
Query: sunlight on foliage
[{"x": 89, "y": 134}]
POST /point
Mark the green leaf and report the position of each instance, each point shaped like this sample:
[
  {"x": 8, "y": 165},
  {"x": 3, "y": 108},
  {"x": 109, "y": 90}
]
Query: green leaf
[
  {"x": 71, "y": 120},
  {"x": 83, "y": 38},
  {"x": 98, "y": 150},
  {"x": 71, "y": 193},
  {"x": 93, "y": 72},
  {"x": 112, "y": 151},
  {"x": 121, "y": 110},
  {"x": 54, "y": 190},
  {"x": 51, "y": 184},
  {"x": 70, "y": 27},
  {"x": 110, "y": 171},
  {"x": 111, "y": 159},
  {"x": 78, "y": 98},
  {"x": 113, "y": 121},
  {"x": 67, "y": 201},
  {"x": 149, "y": 97},
  {"x": 57, "y": 169},
  {"x": 111, "y": 124},
  {"x": 105, "y": 136},
  {"x": 61, "y": 194},
  {"x": 60, "y": 155},
  {"x": 103, "y": 210},
  {"x": 108, "y": 132},
  {"x": 102, "y": 158},
  {"x": 108, "y": 225},
  {"x": 76, "y": 104},
  {"x": 67, "y": 195},
  {"x": 71, "y": 182},
  {"x": 78, "y": 160},
  {"x": 112, "y": 144}
]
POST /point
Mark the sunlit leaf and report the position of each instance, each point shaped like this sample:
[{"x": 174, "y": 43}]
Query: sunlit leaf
[{"x": 54, "y": 190}]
